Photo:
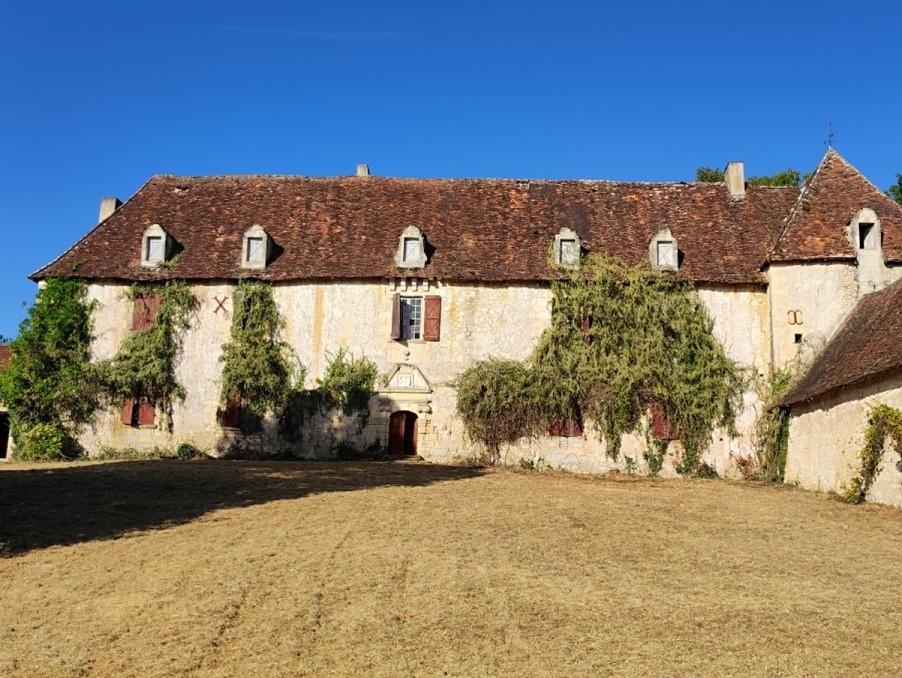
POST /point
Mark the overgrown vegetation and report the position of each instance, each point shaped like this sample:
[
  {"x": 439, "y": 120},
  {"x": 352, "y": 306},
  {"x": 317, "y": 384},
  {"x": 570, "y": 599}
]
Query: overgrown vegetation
[
  {"x": 144, "y": 366},
  {"x": 772, "y": 427},
  {"x": 622, "y": 340},
  {"x": 259, "y": 368},
  {"x": 49, "y": 385},
  {"x": 883, "y": 422},
  {"x": 788, "y": 177}
]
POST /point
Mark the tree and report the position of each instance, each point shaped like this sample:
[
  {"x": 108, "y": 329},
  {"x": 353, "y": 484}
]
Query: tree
[
  {"x": 788, "y": 177},
  {"x": 895, "y": 191},
  {"x": 47, "y": 384}
]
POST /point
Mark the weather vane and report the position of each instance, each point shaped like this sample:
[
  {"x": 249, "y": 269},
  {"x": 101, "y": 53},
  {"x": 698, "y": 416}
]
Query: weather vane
[{"x": 829, "y": 140}]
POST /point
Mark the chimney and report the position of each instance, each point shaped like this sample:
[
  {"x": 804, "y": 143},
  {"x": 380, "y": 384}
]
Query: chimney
[
  {"x": 107, "y": 207},
  {"x": 734, "y": 175},
  {"x": 363, "y": 170}
]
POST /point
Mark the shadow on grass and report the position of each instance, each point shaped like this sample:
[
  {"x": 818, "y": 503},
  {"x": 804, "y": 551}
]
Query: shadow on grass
[{"x": 67, "y": 505}]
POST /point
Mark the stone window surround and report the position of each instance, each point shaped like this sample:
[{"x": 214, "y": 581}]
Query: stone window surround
[
  {"x": 255, "y": 231},
  {"x": 155, "y": 231},
  {"x": 419, "y": 261},
  {"x": 566, "y": 235},
  {"x": 661, "y": 237},
  {"x": 865, "y": 216}
]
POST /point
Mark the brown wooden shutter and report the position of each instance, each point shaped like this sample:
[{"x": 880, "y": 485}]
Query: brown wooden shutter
[
  {"x": 128, "y": 412},
  {"x": 231, "y": 418},
  {"x": 396, "y": 317},
  {"x": 432, "y": 318},
  {"x": 660, "y": 427},
  {"x": 587, "y": 325},
  {"x": 146, "y": 411},
  {"x": 144, "y": 314}
]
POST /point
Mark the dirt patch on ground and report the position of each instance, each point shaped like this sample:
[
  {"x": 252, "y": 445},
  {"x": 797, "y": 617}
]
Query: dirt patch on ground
[{"x": 285, "y": 568}]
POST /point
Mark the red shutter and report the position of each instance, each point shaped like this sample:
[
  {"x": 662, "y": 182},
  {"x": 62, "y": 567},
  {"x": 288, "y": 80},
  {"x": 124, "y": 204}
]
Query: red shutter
[
  {"x": 587, "y": 325},
  {"x": 145, "y": 310},
  {"x": 660, "y": 427},
  {"x": 568, "y": 428},
  {"x": 146, "y": 413},
  {"x": 128, "y": 411},
  {"x": 432, "y": 318},
  {"x": 231, "y": 418},
  {"x": 396, "y": 317}
]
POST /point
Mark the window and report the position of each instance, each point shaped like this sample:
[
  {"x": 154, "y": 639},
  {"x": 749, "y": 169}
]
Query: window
[
  {"x": 660, "y": 427},
  {"x": 867, "y": 237},
  {"x": 156, "y": 246},
  {"x": 571, "y": 427},
  {"x": 567, "y": 249},
  {"x": 144, "y": 312},
  {"x": 864, "y": 231},
  {"x": 416, "y": 318},
  {"x": 138, "y": 412},
  {"x": 663, "y": 251},
  {"x": 231, "y": 415},
  {"x": 411, "y": 251},
  {"x": 256, "y": 249}
]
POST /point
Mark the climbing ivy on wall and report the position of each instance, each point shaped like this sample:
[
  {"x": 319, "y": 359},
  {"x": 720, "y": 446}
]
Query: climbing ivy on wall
[
  {"x": 883, "y": 422},
  {"x": 145, "y": 363},
  {"x": 772, "y": 427},
  {"x": 49, "y": 384},
  {"x": 622, "y": 340},
  {"x": 258, "y": 366}
]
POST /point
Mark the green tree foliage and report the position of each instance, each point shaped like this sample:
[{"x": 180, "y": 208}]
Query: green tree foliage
[
  {"x": 772, "y": 426},
  {"x": 621, "y": 341},
  {"x": 348, "y": 383},
  {"x": 145, "y": 363},
  {"x": 49, "y": 385},
  {"x": 258, "y": 366},
  {"x": 788, "y": 177},
  {"x": 895, "y": 191}
]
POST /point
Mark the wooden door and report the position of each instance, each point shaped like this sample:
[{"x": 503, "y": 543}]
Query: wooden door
[{"x": 402, "y": 434}]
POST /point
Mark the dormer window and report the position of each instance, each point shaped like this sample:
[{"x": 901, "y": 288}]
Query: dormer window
[
  {"x": 663, "y": 252},
  {"x": 156, "y": 246},
  {"x": 256, "y": 248},
  {"x": 411, "y": 249},
  {"x": 567, "y": 249},
  {"x": 864, "y": 231}
]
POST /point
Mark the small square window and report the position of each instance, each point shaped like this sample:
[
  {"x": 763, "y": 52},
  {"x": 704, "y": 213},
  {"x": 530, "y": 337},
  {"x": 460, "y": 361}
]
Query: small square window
[
  {"x": 155, "y": 251},
  {"x": 867, "y": 237},
  {"x": 411, "y": 317},
  {"x": 411, "y": 249},
  {"x": 798, "y": 338},
  {"x": 256, "y": 251},
  {"x": 568, "y": 255}
]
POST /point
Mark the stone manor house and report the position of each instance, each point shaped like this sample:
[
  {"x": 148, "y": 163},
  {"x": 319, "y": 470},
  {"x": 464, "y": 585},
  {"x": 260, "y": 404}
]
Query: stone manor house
[{"x": 426, "y": 276}]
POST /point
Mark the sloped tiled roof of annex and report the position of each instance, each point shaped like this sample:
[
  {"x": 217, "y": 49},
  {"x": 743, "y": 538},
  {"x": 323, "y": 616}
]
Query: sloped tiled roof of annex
[
  {"x": 866, "y": 346},
  {"x": 475, "y": 229},
  {"x": 832, "y": 196},
  {"x": 5, "y": 355}
]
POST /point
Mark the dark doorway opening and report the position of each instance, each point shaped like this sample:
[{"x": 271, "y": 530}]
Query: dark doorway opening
[
  {"x": 402, "y": 434},
  {"x": 4, "y": 433}
]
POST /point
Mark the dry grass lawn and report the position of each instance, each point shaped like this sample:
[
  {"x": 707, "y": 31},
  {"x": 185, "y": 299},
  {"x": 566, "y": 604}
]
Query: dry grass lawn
[{"x": 219, "y": 568}]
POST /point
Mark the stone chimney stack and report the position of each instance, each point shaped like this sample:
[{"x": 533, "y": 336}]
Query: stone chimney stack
[
  {"x": 363, "y": 170},
  {"x": 734, "y": 175},
  {"x": 107, "y": 207}
]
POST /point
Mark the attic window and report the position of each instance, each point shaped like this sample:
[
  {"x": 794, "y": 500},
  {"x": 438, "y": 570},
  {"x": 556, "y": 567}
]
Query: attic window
[
  {"x": 867, "y": 237},
  {"x": 156, "y": 246},
  {"x": 864, "y": 231},
  {"x": 567, "y": 248},
  {"x": 256, "y": 249},
  {"x": 411, "y": 252},
  {"x": 663, "y": 251}
]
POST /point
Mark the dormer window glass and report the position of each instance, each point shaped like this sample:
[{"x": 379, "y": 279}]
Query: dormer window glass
[
  {"x": 156, "y": 246},
  {"x": 256, "y": 249},
  {"x": 411, "y": 252},
  {"x": 663, "y": 251},
  {"x": 567, "y": 249}
]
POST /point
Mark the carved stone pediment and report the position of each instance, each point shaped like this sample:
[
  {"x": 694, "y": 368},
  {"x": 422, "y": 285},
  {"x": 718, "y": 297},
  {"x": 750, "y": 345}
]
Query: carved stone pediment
[{"x": 404, "y": 378}]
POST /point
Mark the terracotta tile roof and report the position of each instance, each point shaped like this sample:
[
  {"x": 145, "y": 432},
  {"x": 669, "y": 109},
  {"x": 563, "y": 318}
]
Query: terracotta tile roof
[
  {"x": 867, "y": 345},
  {"x": 833, "y": 195},
  {"x": 481, "y": 230},
  {"x": 5, "y": 354}
]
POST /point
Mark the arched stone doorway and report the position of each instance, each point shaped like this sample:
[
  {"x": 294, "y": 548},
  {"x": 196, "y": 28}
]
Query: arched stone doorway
[{"x": 402, "y": 434}]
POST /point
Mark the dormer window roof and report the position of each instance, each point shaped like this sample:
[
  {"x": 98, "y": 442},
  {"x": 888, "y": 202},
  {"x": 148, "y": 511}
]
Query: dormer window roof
[
  {"x": 256, "y": 248},
  {"x": 156, "y": 246},
  {"x": 567, "y": 249},
  {"x": 663, "y": 252},
  {"x": 411, "y": 251}
]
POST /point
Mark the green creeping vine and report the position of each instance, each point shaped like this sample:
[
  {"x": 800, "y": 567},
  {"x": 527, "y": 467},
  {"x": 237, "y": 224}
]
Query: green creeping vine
[
  {"x": 883, "y": 422},
  {"x": 258, "y": 366},
  {"x": 772, "y": 426},
  {"x": 621, "y": 340},
  {"x": 145, "y": 363},
  {"x": 49, "y": 383}
]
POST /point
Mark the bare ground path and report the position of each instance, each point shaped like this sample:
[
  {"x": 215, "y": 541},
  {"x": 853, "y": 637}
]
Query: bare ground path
[{"x": 291, "y": 568}]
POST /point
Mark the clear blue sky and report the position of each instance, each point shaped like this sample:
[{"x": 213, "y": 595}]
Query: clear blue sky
[{"x": 95, "y": 97}]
